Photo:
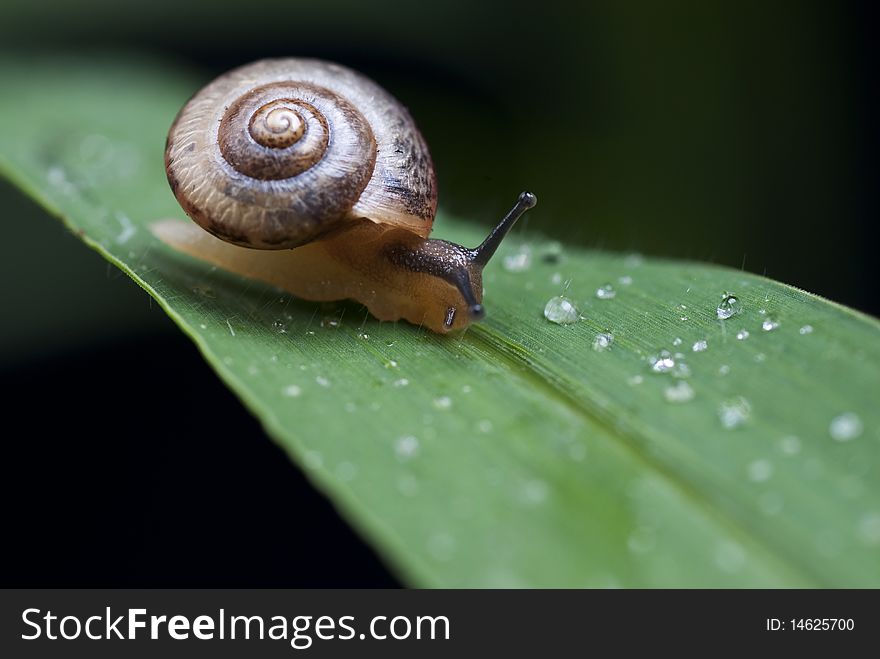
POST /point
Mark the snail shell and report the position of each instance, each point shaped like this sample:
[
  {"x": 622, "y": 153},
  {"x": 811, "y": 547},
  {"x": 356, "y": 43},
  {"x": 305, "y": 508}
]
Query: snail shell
[
  {"x": 320, "y": 164},
  {"x": 279, "y": 153}
]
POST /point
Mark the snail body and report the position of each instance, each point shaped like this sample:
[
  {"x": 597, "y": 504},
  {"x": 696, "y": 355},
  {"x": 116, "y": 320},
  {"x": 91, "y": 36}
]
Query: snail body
[{"x": 309, "y": 176}]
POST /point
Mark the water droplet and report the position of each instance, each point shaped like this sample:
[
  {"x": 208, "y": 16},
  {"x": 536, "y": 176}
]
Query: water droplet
[
  {"x": 485, "y": 426},
  {"x": 742, "y": 335},
  {"x": 391, "y": 364},
  {"x": 534, "y": 492},
  {"x": 790, "y": 445},
  {"x": 313, "y": 460},
  {"x": 700, "y": 345},
  {"x": 58, "y": 178},
  {"x": 728, "y": 307},
  {"x": 466, "y": 389},
  {"x": 635, "y": 380},
  {"x": 443, "y": 403},
  {"x": 760, "y": 471},
  {"x": 806, "y": 329},
  {"x": 279, "y": 326},
  {"x": 606, "y": 292},
  {"x": 551, "y": 252},
  {"x": 734, "y": 412},
  {"x": 203, "y": 326},
  {"x": 441, "y": 546},
  {"x": 402, "y": 382},
  {"x": 676, "y": 341},
  {"x": 626, "y": 280},
  {"x": 321, "y": 380},
  {"x": 769, "y": 324},
  {"x": 681, "y": 392},
  {"x": 845, "y": 427},
  {"x": 291, "y": 391},
  {"x": 603, "y": 341},
  {"x": 561, "y": 310},
  {"x": 723, "y": 370},
  {"x": 346, "y": 471},
  {"x": 520, "y": 261},
  {"x": 662, "y": 363},
  {"x": 556, "y": 278},
  {"x": 363, "y": 336},
  {"x": 127, "y": 229},
  {"x": 869, "y": 529},
  {"x": 760, "y": 358},
  {"x": 330, "y": 322},
  {"x": 406, "y": 447},
  {"x": 730, "y": 556}
]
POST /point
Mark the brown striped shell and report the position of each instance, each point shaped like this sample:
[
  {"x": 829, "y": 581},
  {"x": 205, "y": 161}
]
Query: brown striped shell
[{"x": 279, "y": 153}]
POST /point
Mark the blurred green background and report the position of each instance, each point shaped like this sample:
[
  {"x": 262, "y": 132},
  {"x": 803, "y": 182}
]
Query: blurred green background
[{"x": 740, "y": 133}]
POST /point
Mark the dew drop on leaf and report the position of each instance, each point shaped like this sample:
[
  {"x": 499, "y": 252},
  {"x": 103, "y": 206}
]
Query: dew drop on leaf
[
  {"x": 406, "y": 447},
  {"x": 520, "y": 261},
  {"x": 291, "y": 391},
  {"x": 662, "y": 363},
  {"x": 561, "y": 310},
  {"x": 443, "y": 403},
  {"x": 728, "y": 307},
  {"x": 551, "y": 252},
  {"x": 606, "y": 292},
  {"x": 680, "y": 392},
  {"x": 845, "y": 427},
  {"x": 760, "y": 471},
  {"x": 734, "y": 412},
  {"x": 603, "y": 341}
]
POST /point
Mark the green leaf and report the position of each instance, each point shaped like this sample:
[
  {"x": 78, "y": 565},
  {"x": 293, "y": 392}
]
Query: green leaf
[{"x": 516, "y": 454}]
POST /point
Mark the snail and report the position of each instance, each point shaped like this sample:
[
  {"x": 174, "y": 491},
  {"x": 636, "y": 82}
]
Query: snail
[{"x": 309, "y": 176}]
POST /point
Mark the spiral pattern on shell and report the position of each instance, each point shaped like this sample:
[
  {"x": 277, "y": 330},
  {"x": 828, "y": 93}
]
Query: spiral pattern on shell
[{"x": 281, "y": 152}]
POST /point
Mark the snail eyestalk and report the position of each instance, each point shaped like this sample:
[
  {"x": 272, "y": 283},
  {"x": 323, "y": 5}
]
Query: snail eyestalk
[
  {"x": 481, "y": 255},
  {"x": 462, "y": 281}
]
